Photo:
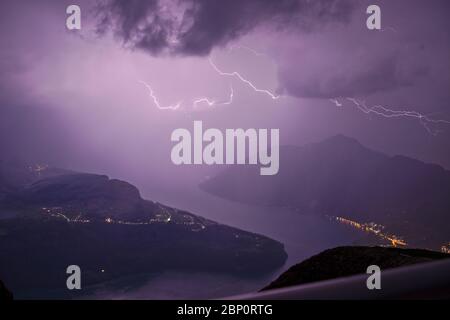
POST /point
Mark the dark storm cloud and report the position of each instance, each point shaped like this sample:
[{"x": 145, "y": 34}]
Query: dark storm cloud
[
  {"x": 353, "y": 61},
  {"x": 195, "y": 27},
  {"x": 349, "y": 77}
]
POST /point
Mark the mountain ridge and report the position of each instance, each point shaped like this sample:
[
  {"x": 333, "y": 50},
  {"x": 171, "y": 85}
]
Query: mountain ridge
[
  {"x": 107, "y": 228},
  {"x": 341, "y": 177}
]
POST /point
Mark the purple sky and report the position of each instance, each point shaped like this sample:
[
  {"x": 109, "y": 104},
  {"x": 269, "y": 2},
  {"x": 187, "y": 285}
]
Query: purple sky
[{"x": 74, "y": 98}]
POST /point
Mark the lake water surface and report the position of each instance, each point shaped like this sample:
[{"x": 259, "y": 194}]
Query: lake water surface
[{"x": 302, "y": 235}]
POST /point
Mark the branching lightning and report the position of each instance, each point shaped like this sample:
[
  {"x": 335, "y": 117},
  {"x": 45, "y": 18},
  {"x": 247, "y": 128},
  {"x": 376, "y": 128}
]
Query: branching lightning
[
  {"x": 213, "y": 103},
  {"x": 195, "y": 103},
  {"x": 155, "y": 99},
  {"x": 387, "y": 112},
  {"x": 237, "y": 75},
  {"x": 383, "y": 111},
  {"x": 335, "y": 102}
]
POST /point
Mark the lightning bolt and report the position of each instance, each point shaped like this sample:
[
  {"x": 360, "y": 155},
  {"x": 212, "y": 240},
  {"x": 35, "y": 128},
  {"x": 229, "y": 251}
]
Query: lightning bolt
[
  {"x": 213, "y": 103},
  {"x": 387, "y": 112},
  {"x": 195, "y": 103},
  {"x": 155, "y": 99},
  {"x": 208, "y": 101},
  {"x": 237, "y": 75},
  {"x": 336, "y": 102}
]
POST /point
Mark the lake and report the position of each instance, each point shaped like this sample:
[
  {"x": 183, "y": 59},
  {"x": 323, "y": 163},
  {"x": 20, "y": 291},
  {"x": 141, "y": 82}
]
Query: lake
[{"x": 303, "y": 236}]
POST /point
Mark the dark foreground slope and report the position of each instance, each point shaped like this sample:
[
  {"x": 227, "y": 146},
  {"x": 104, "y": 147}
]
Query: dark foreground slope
[
  {"x": 105, "y": 227},
  {"x": 346, "y": 261}
]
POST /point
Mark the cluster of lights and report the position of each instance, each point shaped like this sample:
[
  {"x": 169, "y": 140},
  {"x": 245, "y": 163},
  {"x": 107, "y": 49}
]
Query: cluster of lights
[{"x": 375, "y": 229}]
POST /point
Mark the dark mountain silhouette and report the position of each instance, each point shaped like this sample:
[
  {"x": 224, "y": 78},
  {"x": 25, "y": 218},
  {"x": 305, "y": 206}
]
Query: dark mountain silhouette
[
  {"x": 89, "y": 192},
  {"x": 60, "y": 218},
  {"x": 347, "y": 261},
  {"x": 341, "y": 177}
]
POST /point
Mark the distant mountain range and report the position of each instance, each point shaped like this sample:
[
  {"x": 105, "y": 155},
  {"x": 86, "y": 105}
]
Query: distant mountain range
[
  {"x": 52, "y": 218},
  {"x": 341, "y": 177}
]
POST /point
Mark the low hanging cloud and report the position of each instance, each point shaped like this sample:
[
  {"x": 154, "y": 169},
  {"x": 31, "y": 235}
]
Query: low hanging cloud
[
  {"x": 352, "y": 61},
  {"x": 195, "y": 27},
  {"x": 342, "y": 72}
]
